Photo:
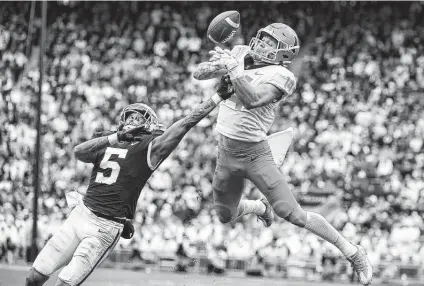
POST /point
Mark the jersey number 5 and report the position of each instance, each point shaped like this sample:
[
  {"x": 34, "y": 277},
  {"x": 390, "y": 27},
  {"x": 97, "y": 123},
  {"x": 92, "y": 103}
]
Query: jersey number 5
[{"x": 114, "y": 166}]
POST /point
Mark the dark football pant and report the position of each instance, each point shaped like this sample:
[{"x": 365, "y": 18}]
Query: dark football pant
[{"x": 256, "y": 164}]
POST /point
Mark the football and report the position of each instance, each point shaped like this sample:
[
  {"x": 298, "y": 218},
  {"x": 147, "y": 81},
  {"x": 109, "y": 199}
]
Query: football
[{"x": 223, "y": 27}]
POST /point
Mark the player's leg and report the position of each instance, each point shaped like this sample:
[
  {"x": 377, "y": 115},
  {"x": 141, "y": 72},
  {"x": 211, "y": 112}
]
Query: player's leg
[
  {"x": 57, "y": 252},
  {"x": 260, "y": 207},
  {"x": 265, "y": 174},
  {"x": 228, "y": 185},
  {"x": 100, "y": 237},
  {"x": 278, "y": 143}
]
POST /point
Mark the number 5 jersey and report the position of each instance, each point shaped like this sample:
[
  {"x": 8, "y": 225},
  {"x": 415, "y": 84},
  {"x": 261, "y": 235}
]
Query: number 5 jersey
[
  {"x": 237, "y": 122},
  {"x": 119, "y": 174}
]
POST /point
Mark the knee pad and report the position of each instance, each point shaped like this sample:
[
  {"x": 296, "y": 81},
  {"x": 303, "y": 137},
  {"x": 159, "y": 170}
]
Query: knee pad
[
  {"x": 282, "y": 209},
  {"x": 225, "y": 213},
  {"x": 297, "y": 217},
  {"x": 30, "y": 281},
  {"x": 35, "y": 278}
]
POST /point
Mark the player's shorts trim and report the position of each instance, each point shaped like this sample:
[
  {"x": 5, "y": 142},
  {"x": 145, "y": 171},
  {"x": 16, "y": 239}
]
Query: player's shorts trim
[
  {"x": 235, "y": 146},
  {"x": 101, "y": 257}
]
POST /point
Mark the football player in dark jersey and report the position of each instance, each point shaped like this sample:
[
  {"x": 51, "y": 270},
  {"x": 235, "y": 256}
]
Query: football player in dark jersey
[{"x": 122, "y": 163}]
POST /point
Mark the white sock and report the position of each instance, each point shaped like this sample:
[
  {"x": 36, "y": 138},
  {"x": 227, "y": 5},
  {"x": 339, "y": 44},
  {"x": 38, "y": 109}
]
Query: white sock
[
  {"x": 318, "y": 225},
  {"x": 250, "y": 207},
  {"x": 347, "y": 248}
]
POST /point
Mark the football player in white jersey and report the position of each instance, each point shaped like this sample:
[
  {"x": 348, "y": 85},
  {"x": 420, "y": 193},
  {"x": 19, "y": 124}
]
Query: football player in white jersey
[{"x": 261, "y": 79}]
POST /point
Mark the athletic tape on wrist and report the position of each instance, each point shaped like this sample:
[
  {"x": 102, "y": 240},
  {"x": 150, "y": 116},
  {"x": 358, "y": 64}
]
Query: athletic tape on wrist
[
  {"x": 113, "y": 138},
  {"x": 234, "y": 72},
  {"x": 216, "y": 98}
]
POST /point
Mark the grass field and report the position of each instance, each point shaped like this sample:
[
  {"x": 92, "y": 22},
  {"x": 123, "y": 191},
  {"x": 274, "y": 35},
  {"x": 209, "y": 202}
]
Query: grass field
[{"x": 15, "y": 276}]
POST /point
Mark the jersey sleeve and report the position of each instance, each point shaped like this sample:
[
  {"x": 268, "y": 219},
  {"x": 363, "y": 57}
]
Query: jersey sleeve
[
  {"x": 99, "y": 156},
  {"x": 284, "y": 80},
  {"x": 149, "y": 148},
  {"x": 144, "y": 143},
  {"x": 144, "y": 146}
]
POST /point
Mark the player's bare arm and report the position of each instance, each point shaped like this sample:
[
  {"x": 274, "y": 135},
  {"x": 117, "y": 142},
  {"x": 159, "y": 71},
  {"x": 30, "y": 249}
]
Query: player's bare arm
[
  {"x": 255, "y": 96},
  {"x": 87, "y": 151},
  {"x": 251, "y": 96},
  {"x": 208, "y": 70},
  {"x": 163, "y": 145}
]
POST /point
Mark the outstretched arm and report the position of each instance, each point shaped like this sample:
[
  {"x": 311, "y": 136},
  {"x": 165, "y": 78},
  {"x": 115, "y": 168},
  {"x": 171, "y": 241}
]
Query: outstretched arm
[
  {"x": 87, "y": 151},
  {"x": 207, "y": 70},
  {"x": 252, "y": 96},
  {"x": 163, "y": 145},
  {"x": 255, "y": 96}
]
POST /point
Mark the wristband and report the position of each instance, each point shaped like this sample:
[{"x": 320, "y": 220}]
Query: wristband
[
  {"x": 216, "y": 98},
  {"x": 113, "y": 138}
]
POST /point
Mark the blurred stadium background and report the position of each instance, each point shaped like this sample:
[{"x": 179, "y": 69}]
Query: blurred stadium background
[{"x": 358, "y": 155}]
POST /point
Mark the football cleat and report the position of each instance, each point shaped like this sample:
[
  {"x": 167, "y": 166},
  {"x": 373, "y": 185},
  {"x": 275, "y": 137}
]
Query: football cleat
[
  {"x": 361, "y": 265},
  {"x": 268, "y": 217}
]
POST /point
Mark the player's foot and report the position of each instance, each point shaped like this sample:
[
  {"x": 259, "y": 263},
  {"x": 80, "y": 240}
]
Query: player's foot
[
  {"x": 361, "y": 265},
  {"x": 268, "y": 217}
]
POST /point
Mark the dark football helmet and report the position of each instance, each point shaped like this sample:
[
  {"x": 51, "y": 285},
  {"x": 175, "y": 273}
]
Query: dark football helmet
[{"x": 150, "y": 122}]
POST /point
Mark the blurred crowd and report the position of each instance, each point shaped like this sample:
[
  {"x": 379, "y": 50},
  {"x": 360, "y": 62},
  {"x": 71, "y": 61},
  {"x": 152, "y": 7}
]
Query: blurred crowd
[{"x": 357, "y": 110}]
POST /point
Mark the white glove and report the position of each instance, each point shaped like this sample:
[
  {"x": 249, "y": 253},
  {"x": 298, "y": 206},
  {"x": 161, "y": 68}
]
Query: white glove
[
  {"x": 224, "y": 60},
  {"x": 218, "y": 52}
]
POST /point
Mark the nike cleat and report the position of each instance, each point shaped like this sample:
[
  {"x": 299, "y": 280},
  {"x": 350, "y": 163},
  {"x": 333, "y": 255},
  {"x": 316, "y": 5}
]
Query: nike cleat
[
  {"x": 268, "y": 217},
  {"x": 361, "y": 265}
]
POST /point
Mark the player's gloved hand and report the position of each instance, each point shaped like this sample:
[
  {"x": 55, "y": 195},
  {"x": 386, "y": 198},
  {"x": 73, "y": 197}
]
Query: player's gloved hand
[
  {"x": 225, "y": 88},
  {"x": 128, "y": 230},
  {"x": 224, "y": 60},
  {"x": 217, "y": 53}
]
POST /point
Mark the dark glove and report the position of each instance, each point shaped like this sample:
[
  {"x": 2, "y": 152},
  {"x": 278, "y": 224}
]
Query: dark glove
[
  {"x": 132, "y": 134},
  {"x": 128, "y": 230},
  {"x": 225, "y": 88}
]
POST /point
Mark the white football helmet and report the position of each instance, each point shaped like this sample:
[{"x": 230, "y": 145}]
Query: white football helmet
[{"x": 287, "y": 44}]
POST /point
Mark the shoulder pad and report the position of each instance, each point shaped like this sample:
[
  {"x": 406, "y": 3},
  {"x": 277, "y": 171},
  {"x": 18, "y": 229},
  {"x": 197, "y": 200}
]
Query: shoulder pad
[{"x": 283, "y": 79}]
